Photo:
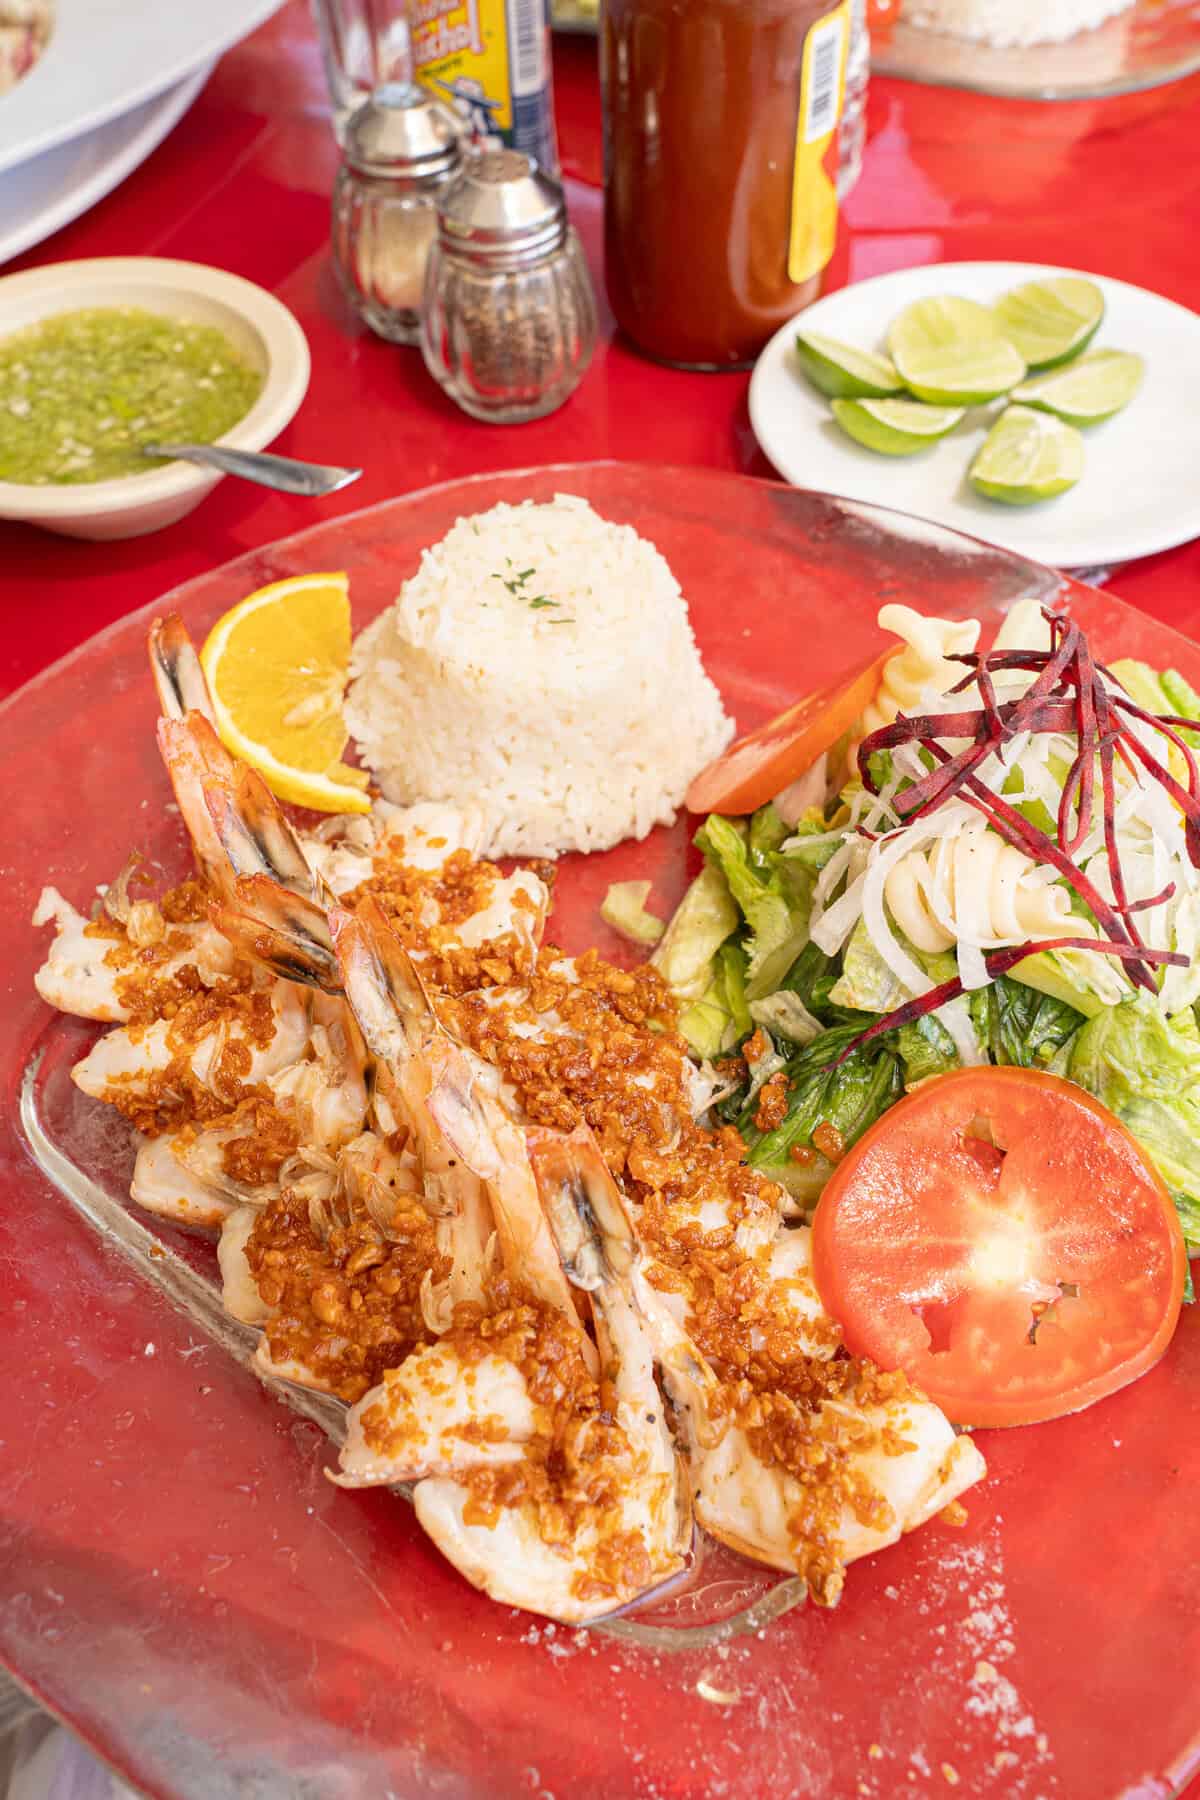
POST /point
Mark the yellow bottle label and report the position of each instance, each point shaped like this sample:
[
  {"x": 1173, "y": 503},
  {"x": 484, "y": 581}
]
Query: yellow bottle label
[
  {"x": 461, "y": 51},
  {"x": 489, "y": 60},
  {"x": 822, "y": 93}
]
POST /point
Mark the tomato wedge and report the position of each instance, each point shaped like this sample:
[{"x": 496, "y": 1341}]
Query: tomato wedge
[
  {"x": 760, "y": 765},
  {"x": 1001, "y": 1237}
]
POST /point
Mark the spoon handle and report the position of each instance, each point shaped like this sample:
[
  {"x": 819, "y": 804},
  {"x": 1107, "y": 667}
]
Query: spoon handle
[{"x": 284, "y": 473}]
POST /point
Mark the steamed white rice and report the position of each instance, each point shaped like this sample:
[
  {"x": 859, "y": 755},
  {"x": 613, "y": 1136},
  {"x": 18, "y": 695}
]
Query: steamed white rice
[{"x": 540, "y": 664}]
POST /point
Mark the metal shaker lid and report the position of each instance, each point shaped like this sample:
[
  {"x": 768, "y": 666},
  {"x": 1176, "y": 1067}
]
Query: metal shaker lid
[
  {"x": 402, "y": 130},
  {"x": 500, "y": 208}
]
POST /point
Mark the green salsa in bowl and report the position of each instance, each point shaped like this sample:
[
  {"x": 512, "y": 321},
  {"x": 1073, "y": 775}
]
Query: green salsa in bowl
[
  {"x": 80, "y": 392},
  {"x": 100, "y": 357}
]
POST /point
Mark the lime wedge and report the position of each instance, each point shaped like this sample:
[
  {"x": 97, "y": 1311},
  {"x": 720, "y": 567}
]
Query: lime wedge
[
  {"x": 895, "y": 427},
  {"x": 1051, "y": 321},
  {"x": 1027, "y": 456},
  {"x": 951, "y": 352},
  {"x": 1087, "y": 391},
  {"x": 844, "y": 372}
]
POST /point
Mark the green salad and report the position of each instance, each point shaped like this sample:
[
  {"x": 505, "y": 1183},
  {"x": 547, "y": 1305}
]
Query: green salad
[{"x": 1005, "y": 872}]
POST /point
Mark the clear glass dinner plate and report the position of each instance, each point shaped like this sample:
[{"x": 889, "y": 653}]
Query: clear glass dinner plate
[
  {"x": 180, "y": 1582},
  {"x": 1154, "y": 42}
]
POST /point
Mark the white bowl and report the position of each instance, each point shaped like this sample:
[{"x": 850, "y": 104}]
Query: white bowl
[{"x": 256, "y": 324}]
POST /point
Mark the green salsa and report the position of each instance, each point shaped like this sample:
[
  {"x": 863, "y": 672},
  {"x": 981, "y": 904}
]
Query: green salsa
[{"x": 81, "y": 391}]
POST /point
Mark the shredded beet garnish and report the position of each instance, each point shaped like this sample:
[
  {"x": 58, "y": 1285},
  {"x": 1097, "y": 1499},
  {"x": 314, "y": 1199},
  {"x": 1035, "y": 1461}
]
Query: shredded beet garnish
[{"x": 1068, "y": 696}]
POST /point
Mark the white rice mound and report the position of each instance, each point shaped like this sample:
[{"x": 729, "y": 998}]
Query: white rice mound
[{"x": 540, "y": 664}]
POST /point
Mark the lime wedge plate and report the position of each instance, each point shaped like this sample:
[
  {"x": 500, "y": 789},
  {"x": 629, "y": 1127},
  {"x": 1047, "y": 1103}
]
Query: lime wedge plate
[
  {"x": 1087, "y": 391},
  {"x": 895, "y": 427},
  {"x": 1027, "y": 456},
  {"x": 1051, "y": 321},
  {"x": 844, "y": 372},
  {"x": 951, "y": 352}
]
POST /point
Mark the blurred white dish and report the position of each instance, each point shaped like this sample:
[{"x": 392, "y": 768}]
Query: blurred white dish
[
  {"x": 44, "y": 194},
  {"x": 257, "y": 324},
  {"x": 1138, "y": 492},
  {"x": 107, "y": 56}
]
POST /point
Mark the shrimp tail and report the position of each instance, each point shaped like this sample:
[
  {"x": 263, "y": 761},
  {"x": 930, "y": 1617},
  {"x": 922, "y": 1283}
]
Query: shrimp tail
[
  {"x": 178, "y": 676},
  {"x": 274, "y": 908},
  {"x": 286, "y": 934},
  {"x": 381, "y": 982},
  {"x": 583, "y": 1207},
  {"x": 267, "y": 899}
]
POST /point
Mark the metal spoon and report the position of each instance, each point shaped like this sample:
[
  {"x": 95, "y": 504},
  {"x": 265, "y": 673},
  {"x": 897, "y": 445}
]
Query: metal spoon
[{"x": 284, "y": 473}]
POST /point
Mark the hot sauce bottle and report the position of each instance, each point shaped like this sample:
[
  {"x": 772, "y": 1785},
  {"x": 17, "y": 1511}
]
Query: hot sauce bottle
[{"x": 720, "y": 128}]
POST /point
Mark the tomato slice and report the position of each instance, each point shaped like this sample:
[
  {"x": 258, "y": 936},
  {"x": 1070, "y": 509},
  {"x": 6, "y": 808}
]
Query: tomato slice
[
  {"x": 1001, "y": 1237},
  {"x": 760, "y": 765}
]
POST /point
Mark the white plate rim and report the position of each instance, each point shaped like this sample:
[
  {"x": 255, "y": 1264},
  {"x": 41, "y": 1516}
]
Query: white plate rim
[
  {"x": 1067, "y": 552},
  {"x": 135, "y": 136},
  {"x": 72, "y": 90}
]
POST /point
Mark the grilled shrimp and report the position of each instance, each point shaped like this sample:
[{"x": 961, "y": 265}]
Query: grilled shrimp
[
  {"x": 132, "y": 1062},
  {"x": 94, "y": 976},
  {"x": 617, "y": 1519},
  {"x": 868, "y": 1468},
  {"x": 415, "y": 1057}
]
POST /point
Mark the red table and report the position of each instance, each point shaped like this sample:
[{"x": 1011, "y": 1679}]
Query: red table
[{"x": 244, "y": 181}]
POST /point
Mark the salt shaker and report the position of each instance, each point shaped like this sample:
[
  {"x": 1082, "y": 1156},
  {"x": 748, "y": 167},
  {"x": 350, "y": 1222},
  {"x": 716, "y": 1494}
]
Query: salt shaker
[
  {"x": 400, "y": 150},
  {"x": 509, "y": 321}
]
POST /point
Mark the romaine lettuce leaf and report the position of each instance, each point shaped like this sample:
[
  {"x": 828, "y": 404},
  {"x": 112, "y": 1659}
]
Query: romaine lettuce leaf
[
  {"x": 813, "y": 976},
  {"x": 785, "y": 1014},
  {"x": 1146, "y": 1069},
  {"x": 867, "y": 984},
  {"x": 925, "y": 1048},
  {"x": 1165, "y": 691},
  {"x": 706, "y": 1024},
  {"x": 849, "y": 1098},
  {"x": 1183, "y": 701},
  {"x": 624, "y": 908},
  {"x": 811, "y": 842},
  {"x": 731, "y": 961},
  {"x": 767, "y": 832},
  {"x": 776, "y": 917},
  {"x": 1020, "y": 1024},
  {"x": 704, "y": 918},
  {"x": 720, "y": 1018},
  {"x": 1082, "y": 979}
]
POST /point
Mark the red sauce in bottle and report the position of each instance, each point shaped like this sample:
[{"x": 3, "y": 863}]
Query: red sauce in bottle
[{"x": 701, "y": 102}]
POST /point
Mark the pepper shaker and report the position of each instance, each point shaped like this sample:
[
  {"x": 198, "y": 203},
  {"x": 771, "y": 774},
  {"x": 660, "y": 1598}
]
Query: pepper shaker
[
  {"x": 509, "y": 319},
  {"x": 400, "y": 150}
]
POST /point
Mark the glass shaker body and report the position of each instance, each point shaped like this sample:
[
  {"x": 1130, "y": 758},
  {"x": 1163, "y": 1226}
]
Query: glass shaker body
[
  {"x": 383, "y": 231},
  {"x": 720, "y": 129},
  {"x": 509, "y": 344}
]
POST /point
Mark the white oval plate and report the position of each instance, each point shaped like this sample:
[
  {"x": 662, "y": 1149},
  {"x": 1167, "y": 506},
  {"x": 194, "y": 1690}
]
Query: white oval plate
[
  {"x": 44, "y": 194},
  {"x": 108, "y": 56},
  {"x": 1139, "y": 491}
]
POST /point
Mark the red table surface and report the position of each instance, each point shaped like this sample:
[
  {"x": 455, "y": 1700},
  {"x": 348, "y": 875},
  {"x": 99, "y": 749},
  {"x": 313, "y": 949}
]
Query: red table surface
[{"x": 243, "y": 182}]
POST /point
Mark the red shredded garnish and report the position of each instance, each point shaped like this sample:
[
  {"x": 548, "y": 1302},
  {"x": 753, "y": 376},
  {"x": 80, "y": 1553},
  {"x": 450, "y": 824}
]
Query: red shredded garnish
[{"x": 1069, "y": 695}]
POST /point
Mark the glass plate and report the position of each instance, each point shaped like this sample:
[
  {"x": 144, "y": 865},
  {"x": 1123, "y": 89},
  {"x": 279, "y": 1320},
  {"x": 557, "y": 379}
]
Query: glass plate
[
  {"x": 180, "y": 1582},
  {"x": 1155, "y": 42}
]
